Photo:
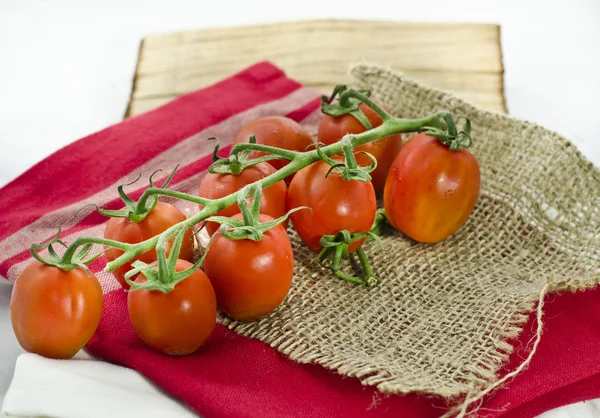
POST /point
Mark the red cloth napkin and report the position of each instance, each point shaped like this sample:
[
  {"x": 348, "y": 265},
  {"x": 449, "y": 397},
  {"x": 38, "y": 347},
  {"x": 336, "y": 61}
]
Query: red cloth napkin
[{"x": 233, "y": 376}]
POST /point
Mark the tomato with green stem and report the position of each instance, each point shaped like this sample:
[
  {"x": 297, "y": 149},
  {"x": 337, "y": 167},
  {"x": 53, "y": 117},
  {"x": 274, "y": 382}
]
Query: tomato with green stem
[
  {"x": 55, "y": 312},
  {"x": 250, "y": 278},
  {"x": 217, "y": 185},
  {"x": 158, "y": 220},
  {"x": 431, "y": 189},
  {"x": 276, "y": 131},
  {"x": 335, "y": 205},
  {"x": 178, "y": 322},
  {"x": 334, "y": 128},
  {"x": 249, "y": 259}
]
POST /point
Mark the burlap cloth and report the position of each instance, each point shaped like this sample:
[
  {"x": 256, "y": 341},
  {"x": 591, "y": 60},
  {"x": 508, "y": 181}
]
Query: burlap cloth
[{"x": 441, "y": 316}]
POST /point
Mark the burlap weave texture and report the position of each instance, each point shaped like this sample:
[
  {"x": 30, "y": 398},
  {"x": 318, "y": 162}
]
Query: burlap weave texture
[{"x": 440, "y": 319}]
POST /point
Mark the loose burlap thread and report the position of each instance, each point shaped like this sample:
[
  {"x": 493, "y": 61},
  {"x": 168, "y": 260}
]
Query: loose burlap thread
[{"x": 441, "y": 318}]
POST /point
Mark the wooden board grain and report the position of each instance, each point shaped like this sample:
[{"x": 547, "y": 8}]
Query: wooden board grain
[{"x": 463, "y": 58}]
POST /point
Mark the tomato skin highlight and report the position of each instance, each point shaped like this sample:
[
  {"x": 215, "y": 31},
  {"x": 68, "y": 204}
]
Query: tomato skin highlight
[
  {"x": 336, "y": 204},
  {"x": 215, "y": 186},
  {"x": 54, "y": 312},
  {"x": 251, "y": 278},
  {"x": 159, "y": 220},
  {"x": 175, "y": 323},
  {"x": 276, "y": 131},
  {"x": 332, "y": 129},
  {"x": 431, "y": 190}
]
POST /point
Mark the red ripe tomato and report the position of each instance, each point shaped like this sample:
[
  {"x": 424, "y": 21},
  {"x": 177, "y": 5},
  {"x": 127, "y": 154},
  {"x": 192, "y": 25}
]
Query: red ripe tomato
[
  {"x": 54, "y": 312},
  {"x": 276, "y": 131},
  {"x": 156, "y": 222},
  {"x": 336, "y": 204},
  {"x": 333, "y": 129},
  {"x": 431, "y": 190},
  {"x": 250, "y": 278},
  {"x": 215, "y": 186},
  {"x": 175, "y": 323}
]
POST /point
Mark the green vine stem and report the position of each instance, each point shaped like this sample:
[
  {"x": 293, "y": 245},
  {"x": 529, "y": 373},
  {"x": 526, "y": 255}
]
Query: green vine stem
[
  {"x": 239, "y": 161},
  {"x": 250, "y": 227},
  {"x": 161, "y": 275},
  {"x": 349, "y": 170},
  {"x": 449, "y": 134},
  {"x": 72, "y": 258},
  {"x": 151, "y": 192},
  {"x": 441, "y": 124},
  {"x": 349, "y": 101},
  {"x": 136, "y": 212},
  {"x": 337, "y": 246},
  {"x": 390, "y": 126},
  {"x": 379, "y": 222}
]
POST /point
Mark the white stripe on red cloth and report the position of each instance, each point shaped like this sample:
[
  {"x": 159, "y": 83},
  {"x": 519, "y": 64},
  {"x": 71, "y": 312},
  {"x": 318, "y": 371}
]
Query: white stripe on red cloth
[{"x": 185, "y": 152}]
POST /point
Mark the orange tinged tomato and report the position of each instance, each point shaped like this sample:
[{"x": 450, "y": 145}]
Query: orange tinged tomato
[
  {"x": 215, "y": 186},
  {"x": 54, "y": 312},
  {"x": 175, "y": 323},
  {"x": 276, "y": 131},
  {"x": 333, "y": 129},
  {"x": 250, "y": 278},
  {"x": 336, "y": 204},
  {"x": 431, "y": 190},
  {"x": 162, "y": 217}
]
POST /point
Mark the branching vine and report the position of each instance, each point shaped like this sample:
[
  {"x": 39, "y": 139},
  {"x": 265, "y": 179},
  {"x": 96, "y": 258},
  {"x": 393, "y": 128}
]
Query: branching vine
[{"x": 441, "y": 124}]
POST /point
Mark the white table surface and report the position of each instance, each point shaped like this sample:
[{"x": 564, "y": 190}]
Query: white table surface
[{"x": 66, "y": 69}]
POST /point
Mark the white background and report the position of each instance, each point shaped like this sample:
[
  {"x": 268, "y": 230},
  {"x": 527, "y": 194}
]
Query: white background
[{"x": 66, "y": 67}]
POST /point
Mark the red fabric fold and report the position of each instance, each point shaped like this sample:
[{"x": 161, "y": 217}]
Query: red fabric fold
[
  {"x": 566, "y": 366},
  {"x": 96, "y": 161},
  {"x": 233, "y": 376}
]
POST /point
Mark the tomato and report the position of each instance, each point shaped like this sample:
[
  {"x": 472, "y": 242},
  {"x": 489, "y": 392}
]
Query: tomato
[
  {"x": 162, "y": 217},
  {"x": 54, "y": 312},
  {"x": 336, "y": 204},
  {"x": 251, "y": 278},
  {"x": 175, "y": 323},
  {"x": 276, "y": 131},
  {"x": 431, "y": 190},
  {"x": 215, "y": 186},
  {"x": 333, "y": 129}
]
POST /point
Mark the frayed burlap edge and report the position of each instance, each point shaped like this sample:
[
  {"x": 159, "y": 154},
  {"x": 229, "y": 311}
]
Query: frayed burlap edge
[
  {"x": 552, "y": 236},
  {"x": 363, "y": 72}
]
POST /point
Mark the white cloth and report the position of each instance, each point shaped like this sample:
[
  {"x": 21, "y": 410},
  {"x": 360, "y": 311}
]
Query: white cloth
[
  {"x": 85, "y": 388},
  {"x": 585, "y": 409}
]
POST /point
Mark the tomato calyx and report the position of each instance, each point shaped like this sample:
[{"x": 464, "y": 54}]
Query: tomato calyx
[
  {"x": 379, "y": 222},
  {"x": 250, "y": 226},
  {"x": 136, "y": 211},
  {"x": 162, "y": 275},
  {"x": 337, "y": 247},
  {"x": 348, "y": 103},
  {"x": 239, "y": 157},
  {"x": 448, "y": 134},
  {"x": 349, "y": 169},
  {"x": 66, "y": 262}
]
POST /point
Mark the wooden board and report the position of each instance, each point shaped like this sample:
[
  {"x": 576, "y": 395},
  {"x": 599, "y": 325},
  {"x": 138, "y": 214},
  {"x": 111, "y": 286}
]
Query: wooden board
[{"x": 462, "y": 58}]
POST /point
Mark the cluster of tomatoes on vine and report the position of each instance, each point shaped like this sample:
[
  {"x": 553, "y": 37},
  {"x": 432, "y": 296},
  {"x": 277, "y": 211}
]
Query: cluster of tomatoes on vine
[{"x": 430, "y": 185}]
